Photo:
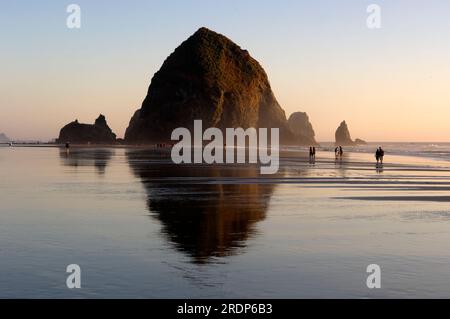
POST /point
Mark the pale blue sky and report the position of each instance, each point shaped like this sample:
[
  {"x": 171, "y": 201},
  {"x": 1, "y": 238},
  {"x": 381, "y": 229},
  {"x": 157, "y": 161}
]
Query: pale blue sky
[{"x": 389, "y": 84}]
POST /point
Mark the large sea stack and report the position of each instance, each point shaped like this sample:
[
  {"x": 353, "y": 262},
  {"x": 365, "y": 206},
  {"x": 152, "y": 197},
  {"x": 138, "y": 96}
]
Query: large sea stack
[
  {"x": 207, "y": 77},
  {"x": 302, "y": 128},
  {"x": 97, "y": 133}
]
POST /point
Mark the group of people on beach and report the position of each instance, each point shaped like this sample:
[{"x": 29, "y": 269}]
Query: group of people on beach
[
  {"x": 379, "y": 155},
  {"x": 312, "y": 152},
  {"x": 339, "y": 153}
]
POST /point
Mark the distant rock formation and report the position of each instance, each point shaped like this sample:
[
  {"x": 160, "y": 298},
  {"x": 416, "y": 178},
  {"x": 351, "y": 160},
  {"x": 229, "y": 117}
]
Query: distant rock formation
[
  {"x": 4, "y": 138},
  {"x": 342, "y": 135},
  {"x": 97, "y": 133},
  {"x": 207, "y": 77},
  {"x": 359, "y": 141},
  {"x": 302, "y": 128}
]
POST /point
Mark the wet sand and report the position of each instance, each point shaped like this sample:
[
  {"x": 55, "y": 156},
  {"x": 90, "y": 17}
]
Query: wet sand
[{"x": 140, "y": 226}]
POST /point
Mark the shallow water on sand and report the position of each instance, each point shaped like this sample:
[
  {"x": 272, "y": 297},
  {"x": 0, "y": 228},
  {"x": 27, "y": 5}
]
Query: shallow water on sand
[{"x": 142, "y": 227}]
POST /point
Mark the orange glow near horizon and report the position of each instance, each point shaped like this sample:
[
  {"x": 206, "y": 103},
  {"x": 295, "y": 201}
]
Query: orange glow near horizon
[{"x": 388, "y": 84}]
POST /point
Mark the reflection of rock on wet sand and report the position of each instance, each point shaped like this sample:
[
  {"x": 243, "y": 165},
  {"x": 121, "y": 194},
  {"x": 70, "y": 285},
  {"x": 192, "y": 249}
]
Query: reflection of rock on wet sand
[
  {"x": 206, "y": 211},
  {"x": 99, "y": 158}
]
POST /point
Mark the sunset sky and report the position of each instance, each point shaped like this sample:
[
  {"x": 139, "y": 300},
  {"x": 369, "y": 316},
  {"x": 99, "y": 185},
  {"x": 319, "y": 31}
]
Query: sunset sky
[{"x": 389, "y": 84}]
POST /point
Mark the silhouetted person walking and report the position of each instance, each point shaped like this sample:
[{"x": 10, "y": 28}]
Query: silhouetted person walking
[
  {"x": 381, "y": 154},
  {"x": 310, "y": 152}
]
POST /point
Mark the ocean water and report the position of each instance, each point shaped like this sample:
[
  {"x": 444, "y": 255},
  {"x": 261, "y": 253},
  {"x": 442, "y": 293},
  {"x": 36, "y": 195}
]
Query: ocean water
[
  {"x": 142, "y": 227},
  {"x": 431, "y": 150}
]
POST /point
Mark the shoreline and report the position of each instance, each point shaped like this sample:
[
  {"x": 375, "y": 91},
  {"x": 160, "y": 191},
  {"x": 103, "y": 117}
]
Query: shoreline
[
  {"x": 324, "y": 152},
  {"x": 396, "y": 152}
]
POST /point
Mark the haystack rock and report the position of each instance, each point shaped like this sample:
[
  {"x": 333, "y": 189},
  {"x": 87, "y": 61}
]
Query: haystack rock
[
  {"x": 302, "y": 128},
  {"x": 209, "y": 78},
  {"x": 97, "y": 133},
  {"x": 4, "y": 138},
  {"x": 343, "y": 135}
]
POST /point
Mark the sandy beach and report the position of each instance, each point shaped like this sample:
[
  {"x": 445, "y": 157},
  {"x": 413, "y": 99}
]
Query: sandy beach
[{"x": 145, "y": 227}]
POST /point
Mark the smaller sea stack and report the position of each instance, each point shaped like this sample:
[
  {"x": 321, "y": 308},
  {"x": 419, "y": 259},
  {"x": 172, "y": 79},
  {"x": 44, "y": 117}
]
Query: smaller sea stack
[{"x": 78, "y": 133}]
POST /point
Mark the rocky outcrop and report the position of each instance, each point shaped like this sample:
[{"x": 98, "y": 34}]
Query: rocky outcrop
[
  {"x": 207, "y": 77},
  {"x": 342, "y": 135},
  {"x": 134, "y": 127},
  {"x": 359, "y": 141},
  {"x": 4, "y": 138},
  {"x": 97, "y": 133},
  {"x": 302, "y": 128}
]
